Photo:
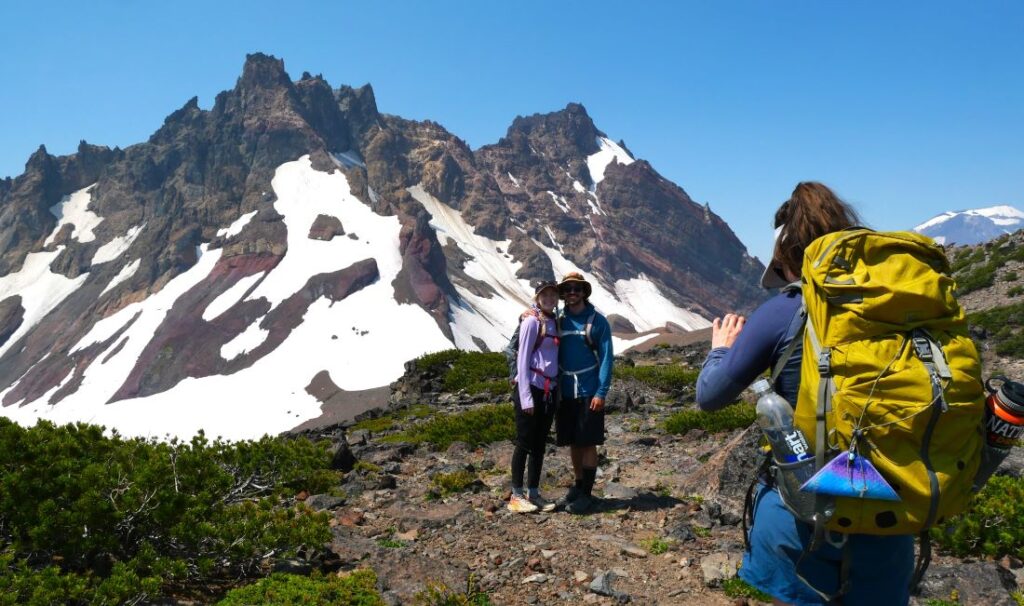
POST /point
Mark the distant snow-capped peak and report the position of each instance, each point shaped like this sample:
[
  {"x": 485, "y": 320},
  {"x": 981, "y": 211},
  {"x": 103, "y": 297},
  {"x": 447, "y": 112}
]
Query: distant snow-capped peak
[{"x": 972, "y": 226}]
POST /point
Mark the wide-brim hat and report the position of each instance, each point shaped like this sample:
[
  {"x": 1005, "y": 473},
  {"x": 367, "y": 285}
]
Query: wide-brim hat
[
  {"x": 772, "y": 276},
  {"x": 541, "y": 287},
  {"x": 575, "y": 278}
]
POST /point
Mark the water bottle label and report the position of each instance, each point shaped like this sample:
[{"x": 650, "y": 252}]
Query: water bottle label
[
  {"x": 1001, "y": 433},
  {"x": 797, "y": 445}
]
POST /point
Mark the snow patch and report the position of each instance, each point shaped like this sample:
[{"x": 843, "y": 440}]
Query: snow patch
[
  {"x": 237, "y": 226},
  {"x": 227, "y": 299},
  {"x": 638, "y": 299},
  {"x": 490, "y": 319},
  {"x": 598, "y": 162},
  {"x": 116, "y": 247},
  {"x": 348, "y": 159},
  {"x": 559, "y": 202},
  {"x": 579, "y": 187},
  {"x": 514, "y": 180},
  {"x": 126, "y": 272},
  {"x": 74, "y": 210},
  {"x": 621, "y": 345},
  {"x": 247, "y": 340},
  {"x": 41, "y": 290},
  {"x": 551, "y": 235}
]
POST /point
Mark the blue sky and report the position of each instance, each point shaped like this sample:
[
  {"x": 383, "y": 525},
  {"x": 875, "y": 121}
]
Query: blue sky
[{"x": 907, "y": 109}]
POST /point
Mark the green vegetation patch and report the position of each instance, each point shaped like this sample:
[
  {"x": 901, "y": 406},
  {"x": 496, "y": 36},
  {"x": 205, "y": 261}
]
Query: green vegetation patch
[
  {"x": 976, "y": 270},
  {"x": 993, "y": 525},
  {"x": 475, "y": 427},
  {"x": 657, "y": 545},
  {"x": 358, "y": 588},
  {"x": 453, "y": 483},
  {"x": 738, "y": 588},
  {"x": 439, "y": 594},
  {"x": 671, "y": 378},
  {"x": 1005, "y": 327},
  {"x": 734, "y": 416},
  {"x": 86, "y": 518},
  {"x": 472, "y": 371}
]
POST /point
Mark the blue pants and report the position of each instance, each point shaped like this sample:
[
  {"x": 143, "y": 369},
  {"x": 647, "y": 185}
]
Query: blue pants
[{"x": 880, "y": 571}]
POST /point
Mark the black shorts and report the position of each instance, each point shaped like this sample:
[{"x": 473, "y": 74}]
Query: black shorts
[
  {"x": 577, "y": 425},
  {"x": 532, "y": 430}
]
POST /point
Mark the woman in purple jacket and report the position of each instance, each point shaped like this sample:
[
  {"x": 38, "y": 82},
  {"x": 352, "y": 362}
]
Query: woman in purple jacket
[{"x": 535, "y": 397}]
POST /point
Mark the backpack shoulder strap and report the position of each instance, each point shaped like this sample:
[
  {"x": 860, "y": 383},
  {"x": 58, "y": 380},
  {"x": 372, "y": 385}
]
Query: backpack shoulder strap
[
  {"x": 798, "y": 338},
  {"x": 588, "y": 329}
]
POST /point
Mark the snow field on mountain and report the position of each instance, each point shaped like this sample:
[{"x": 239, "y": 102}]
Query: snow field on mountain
[
  {"x": 493, "y": 319},
  {"x": 229, "y": 297},
  {"x": 236, "y": 226},
  {"x": 598, "y": 162},
  {"x": 126, "y": 273},
  {"x": 1000, "y": 215},
  {"x": 73, "y": 209},
  {"x": 638, "y": 299},
  {"x": 363, "y": 341},
  {"x": 41, "y": 290},
  {"x": 117, "y": 246},
  {"x": 249, "y": 339},
  {"x": 490, "y": 319}
]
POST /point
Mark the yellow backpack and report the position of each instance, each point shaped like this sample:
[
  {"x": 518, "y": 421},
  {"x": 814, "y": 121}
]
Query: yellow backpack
[{"x": 889, "y": 373}]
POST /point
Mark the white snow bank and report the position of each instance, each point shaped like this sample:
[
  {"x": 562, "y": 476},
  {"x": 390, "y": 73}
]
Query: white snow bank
[
  {"x": 598, "y": 162},
  {"x": 229, "y": 297},
  {"x": 236, "y": 226},
  {"x": 74, "y": 210},
  {"x": 41, "y": 290},
  {"x": 126, "y": 272},
  {"x": 116, "y": 247}
]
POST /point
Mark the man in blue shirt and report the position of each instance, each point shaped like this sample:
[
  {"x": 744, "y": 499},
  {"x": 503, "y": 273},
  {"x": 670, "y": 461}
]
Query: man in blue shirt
[{"x": 585, "y": 375}]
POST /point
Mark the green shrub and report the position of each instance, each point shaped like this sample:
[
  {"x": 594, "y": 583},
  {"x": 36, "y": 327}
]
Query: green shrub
[
  {"x": 479, "y": 373},
  {"x": 977, "y": 269},
  {"x": 439, "y": 594},
  {"x": 670, "y": 378},
  {"x": 733, "y": 416},
  {"x": 358, "y": 588},
  {"x": 1015, "y": 291},
  {"x": 472, "y": 371},
  {"x": 94, "y": 518},
  {"x": 738, "y": 588},
  {"x": 657, "y": 546},
  {"x": 477, "y": 426},
  {"x": 1004, "y": 325},
  {"x": 452, "y": 483},
  {"x": 1010, "y": 276},
  {"x": 992, "y": 526}
]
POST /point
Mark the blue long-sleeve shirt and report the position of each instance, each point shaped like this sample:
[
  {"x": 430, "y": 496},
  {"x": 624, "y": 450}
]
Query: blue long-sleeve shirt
[
  {"x": 574, "y": 355},
  {"x": 727, "y": 371}
]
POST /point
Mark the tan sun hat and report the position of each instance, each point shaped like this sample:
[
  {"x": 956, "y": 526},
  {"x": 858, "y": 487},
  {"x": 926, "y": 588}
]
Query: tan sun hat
[{"x": 574, "y": 278}]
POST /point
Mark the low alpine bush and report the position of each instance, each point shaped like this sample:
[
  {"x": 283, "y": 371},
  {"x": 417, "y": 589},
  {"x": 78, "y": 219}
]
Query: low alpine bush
[
  {"x": 475, "y": 427},
  {"x": 734, "y": 416}
]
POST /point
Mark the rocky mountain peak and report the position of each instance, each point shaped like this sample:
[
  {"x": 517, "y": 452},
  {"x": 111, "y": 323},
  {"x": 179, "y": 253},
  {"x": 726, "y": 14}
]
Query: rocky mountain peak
[
  {"x": 569, "y": 132},
  {"x": 263, "y": 71}
]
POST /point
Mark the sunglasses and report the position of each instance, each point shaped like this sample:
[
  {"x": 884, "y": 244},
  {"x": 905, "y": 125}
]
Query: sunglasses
[{"x": 573, "y": 289}]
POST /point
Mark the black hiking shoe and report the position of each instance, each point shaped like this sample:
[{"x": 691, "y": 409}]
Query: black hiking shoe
[
  {"x": 567, "y": 498},
  {"x": 581, "y": 505}
]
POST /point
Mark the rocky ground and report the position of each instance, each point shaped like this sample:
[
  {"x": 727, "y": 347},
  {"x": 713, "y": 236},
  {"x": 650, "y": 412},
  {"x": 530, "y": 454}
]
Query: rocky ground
[{"x": 667, "y": 530}]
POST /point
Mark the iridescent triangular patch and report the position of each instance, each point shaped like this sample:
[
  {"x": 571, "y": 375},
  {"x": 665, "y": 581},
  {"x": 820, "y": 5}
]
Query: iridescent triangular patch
[{"x": 846, "y": 476}]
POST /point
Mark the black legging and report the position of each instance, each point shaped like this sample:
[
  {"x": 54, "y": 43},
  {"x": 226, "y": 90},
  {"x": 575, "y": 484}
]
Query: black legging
[{"x": 531, "y": 437}]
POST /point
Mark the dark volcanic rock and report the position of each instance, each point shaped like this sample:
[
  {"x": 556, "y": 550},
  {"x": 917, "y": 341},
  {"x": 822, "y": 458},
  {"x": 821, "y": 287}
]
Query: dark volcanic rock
[
  {"x": 11, "y": 316},
  {"x": 326, "y": 228}
]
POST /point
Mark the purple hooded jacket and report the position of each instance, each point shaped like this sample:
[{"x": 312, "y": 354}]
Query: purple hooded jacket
[{"x": 544, "y": 359}]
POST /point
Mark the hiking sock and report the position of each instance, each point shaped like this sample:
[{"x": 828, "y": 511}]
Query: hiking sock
[
  {"x": 589, "y": 477},
  {"x": 517, "y": 491},
  {"x": 534, "y": 493},
  {"x": 518, "y": 466}
]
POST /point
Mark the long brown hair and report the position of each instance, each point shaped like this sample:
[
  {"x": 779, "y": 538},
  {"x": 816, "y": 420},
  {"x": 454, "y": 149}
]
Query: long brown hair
[{"x": 812, "y": 211}]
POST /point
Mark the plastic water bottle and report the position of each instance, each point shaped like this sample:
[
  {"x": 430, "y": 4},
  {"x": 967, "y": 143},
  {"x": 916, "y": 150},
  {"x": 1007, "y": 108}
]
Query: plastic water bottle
[
  {"x": 793, "y": 457},
  {"x": 1004, "y": 426}
]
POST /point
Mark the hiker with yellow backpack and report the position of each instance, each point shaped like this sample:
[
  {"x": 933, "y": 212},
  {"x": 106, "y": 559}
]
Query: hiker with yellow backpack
[{"x": 868, "y": 344}]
